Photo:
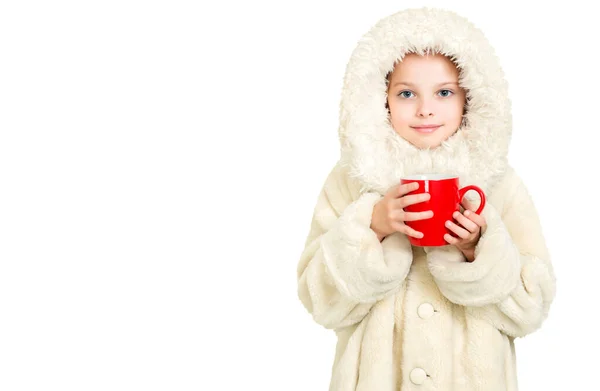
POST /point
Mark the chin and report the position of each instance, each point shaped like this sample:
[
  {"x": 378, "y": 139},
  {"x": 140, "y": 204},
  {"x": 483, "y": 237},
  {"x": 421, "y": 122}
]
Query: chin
[
  {"x": 422, "y": 144},
  {"x": 431, "y": 141}
]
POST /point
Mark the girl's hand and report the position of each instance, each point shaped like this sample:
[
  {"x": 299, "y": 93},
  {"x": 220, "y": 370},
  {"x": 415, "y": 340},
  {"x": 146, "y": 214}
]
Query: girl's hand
[
  {"x": 389, "y": 215},
  {"x": 468, "y": 230}
]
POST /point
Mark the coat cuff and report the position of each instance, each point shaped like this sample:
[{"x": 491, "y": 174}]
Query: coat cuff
[
  {"x": 490, "y": 278},
  {"x": 362, "y": 267}
]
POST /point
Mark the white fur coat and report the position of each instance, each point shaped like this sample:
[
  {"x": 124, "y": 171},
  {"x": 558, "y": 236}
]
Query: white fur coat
[{"x": 411, "y": 318}]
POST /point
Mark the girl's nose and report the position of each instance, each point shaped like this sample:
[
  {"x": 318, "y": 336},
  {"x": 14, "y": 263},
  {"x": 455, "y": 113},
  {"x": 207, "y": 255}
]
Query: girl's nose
[{"x": 425, "y": 110}]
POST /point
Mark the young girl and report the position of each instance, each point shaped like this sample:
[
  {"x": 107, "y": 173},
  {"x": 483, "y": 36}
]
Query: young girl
[{"x": 424, "y": 93}]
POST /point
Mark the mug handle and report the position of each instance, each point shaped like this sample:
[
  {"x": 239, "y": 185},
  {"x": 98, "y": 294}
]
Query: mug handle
[{"x": 464, "y": 190}]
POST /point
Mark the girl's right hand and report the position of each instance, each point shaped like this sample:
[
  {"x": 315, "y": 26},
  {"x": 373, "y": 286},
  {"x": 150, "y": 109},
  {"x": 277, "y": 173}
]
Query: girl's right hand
[{"x": 389, "y": 215}]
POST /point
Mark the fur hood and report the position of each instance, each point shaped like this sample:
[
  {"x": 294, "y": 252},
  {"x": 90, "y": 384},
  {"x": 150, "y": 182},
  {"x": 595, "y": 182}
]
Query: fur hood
[{"x": 374, "y": 153}]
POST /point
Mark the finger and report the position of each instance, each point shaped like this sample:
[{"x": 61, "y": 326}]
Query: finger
[
  {"x": 460, "y": 231},
  {"x": 468, "y": 205},
  {"x": 465, "y": 203},
  {"x": 414, "y": 216},
  {"x": 477, "y": 219},
  {"x": 408, "y": 231},
  {"x": 450, "y": 239},
  {"x": 412, "y": 199},
  {"x": 465, "y": 222},
  {"x": 404, "y": 189}
]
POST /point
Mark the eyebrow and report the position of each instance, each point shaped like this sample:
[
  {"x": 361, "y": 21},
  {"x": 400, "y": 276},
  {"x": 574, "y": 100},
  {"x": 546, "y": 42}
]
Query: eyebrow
[{"x": 406, "y": 83}]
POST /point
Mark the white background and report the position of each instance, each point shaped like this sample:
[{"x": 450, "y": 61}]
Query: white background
[{"x": 159, "y": 165}]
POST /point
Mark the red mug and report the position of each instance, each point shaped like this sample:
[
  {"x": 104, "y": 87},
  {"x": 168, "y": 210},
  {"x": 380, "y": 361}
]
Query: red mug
[{"x": 446, "y": 196}]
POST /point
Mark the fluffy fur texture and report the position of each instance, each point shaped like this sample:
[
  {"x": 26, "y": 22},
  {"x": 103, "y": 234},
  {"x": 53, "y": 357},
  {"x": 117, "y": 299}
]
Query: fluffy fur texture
[{"x": 375, "y": 295}]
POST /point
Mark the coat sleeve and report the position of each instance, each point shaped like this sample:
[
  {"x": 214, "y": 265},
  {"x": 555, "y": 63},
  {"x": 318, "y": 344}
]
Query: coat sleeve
[
  {"x": 344, "y": 269},
  {"x": 511, "y": 282}
]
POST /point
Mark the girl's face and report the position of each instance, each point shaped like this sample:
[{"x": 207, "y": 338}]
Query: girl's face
[{"x": 424, "y": 90}]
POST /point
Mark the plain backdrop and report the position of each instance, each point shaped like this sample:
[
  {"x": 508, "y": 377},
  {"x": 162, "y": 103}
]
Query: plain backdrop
[{"x": 159, "y": 166}]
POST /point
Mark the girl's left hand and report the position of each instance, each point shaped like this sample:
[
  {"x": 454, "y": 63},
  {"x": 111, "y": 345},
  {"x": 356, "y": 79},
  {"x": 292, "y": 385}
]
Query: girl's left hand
[{"x": 468, "y": 228}]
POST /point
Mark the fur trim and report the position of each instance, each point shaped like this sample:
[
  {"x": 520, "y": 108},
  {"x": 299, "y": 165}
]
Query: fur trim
[
  {"x": 374, "y": 153},
  {"x": 490, "y": 278},
  {"x": 355, "y": 258}
]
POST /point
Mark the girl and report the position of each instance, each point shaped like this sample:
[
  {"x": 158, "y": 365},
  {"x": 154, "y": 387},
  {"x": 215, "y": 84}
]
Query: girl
[{"x": 424, "y": 93}]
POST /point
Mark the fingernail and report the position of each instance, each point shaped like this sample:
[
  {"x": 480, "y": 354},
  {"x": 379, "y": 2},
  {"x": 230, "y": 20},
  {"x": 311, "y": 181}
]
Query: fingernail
[{"x": 467, "y": 212}]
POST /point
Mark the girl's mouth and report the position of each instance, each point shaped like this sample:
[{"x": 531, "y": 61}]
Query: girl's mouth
[{"x": 426, "y": 129}]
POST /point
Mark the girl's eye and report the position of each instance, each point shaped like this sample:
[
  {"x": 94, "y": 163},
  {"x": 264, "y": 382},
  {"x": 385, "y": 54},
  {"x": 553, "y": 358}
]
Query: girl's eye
[
  {"x": 448, "y": 91},
  {"x": 408, "y": 94}
]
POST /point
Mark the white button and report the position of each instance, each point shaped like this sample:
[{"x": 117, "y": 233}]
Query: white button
[
  {"x": 418, "y": 376},
  {"x": 425, "y": 310}
]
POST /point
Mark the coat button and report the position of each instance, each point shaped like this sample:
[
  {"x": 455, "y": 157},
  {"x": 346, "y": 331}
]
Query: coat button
[
  {"x": 425, "y": 310},
  {"x": 418, "y": 376}
]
